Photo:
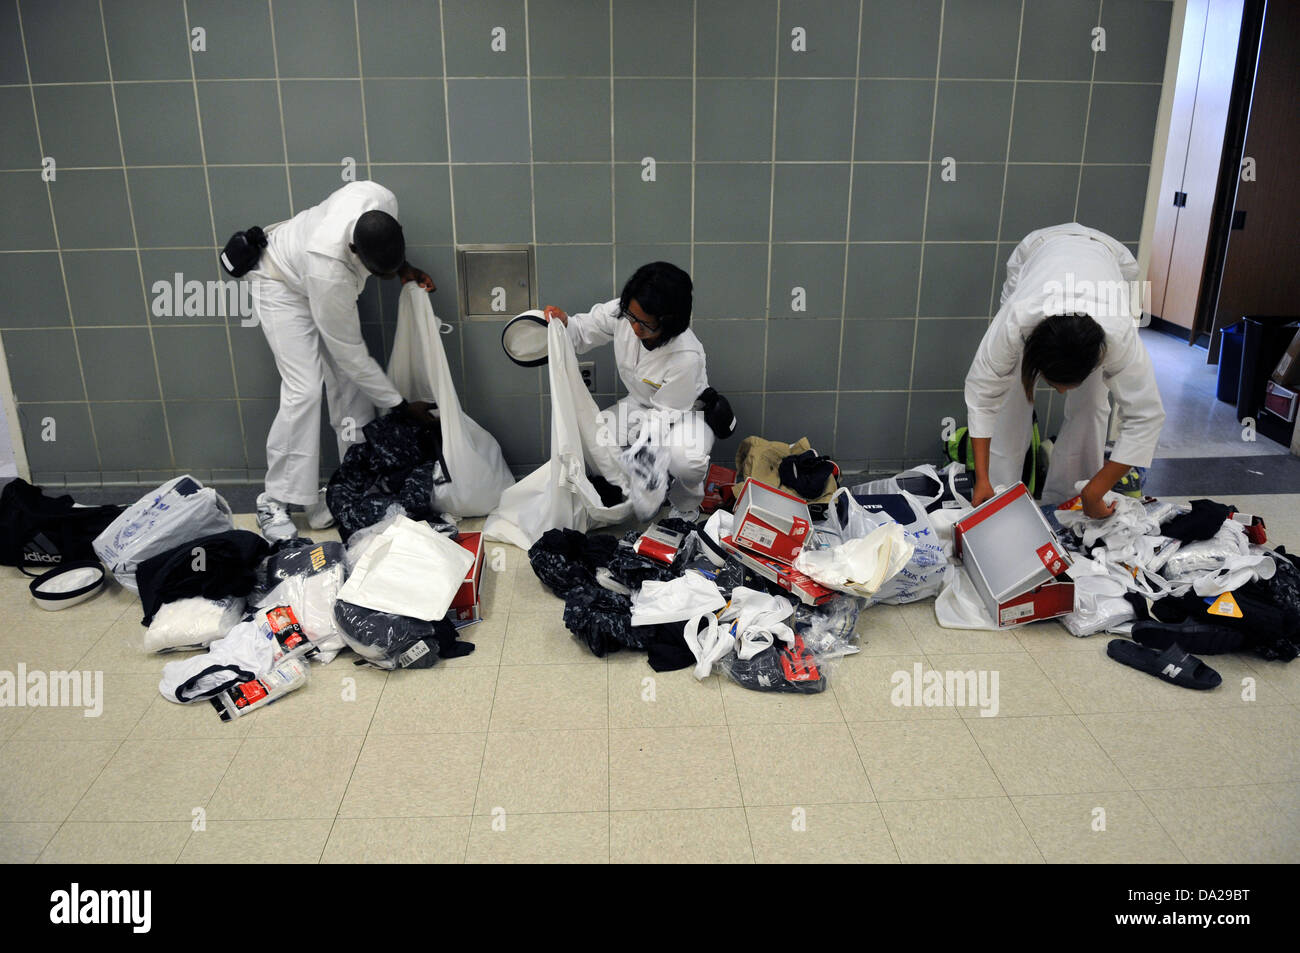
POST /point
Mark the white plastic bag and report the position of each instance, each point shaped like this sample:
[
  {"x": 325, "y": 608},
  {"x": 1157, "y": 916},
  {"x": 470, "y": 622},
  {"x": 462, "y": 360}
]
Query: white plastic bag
[
  {"x": 862, "y": 565},
  {"x": 922, "y": 576},
  {"x": 178, "y": 511},
  {"x": 419, "y": 371},
  {"x": 409, "y": 569},
  {"x": 559, "y": 495}
]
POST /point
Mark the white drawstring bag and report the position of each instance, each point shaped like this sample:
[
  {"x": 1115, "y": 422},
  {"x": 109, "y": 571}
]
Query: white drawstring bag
[
  {"x": 559, "y": 494},
  {"x": 419, "y": 371},
  {"x": 180, "y": 510}
]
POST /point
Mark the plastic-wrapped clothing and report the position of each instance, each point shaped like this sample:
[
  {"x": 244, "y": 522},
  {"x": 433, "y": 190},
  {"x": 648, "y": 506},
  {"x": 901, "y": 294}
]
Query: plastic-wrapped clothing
[
  {"x": 647, "y": 459},
  {"x": 829, "y": 630},
  {"x": 419, "y": 370},
  {"x": 783, "y": 668},
  {"x": 222, "y": 564},
  {"x": 1220, "y": 564},
  {"x": 195, "y": 622},
  {"x": 1090, "y": 273},
  {"x": 676, "y": 600},
  {"x": 409, "y": 569},
  {"x": 1099, "y": 603},
  {"x": 759, "y": 620},
  {"x": 565, "y": 558},
  {"x": 559, "y": 494},
  {"x": 399, "y": 462},
  {"x": 304, "y": 296},
  {"x": 175, "y": 513},
  {"x": 249, "y": 650},
  {"x": 308, "y": 579},
  {"x": 390, "y": 641}
]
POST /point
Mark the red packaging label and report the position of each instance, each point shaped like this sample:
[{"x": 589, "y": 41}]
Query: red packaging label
[
  {"x": 1053, "y": 560},
  {"x": 249, "y": 692},
  {"x": 798, "y": 664}
]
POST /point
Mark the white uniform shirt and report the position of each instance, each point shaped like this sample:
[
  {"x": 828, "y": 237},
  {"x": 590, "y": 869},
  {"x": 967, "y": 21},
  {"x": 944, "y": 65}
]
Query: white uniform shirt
[
  {"x": 669, "y": 377},
  {"x": 310, "y": 252},
  {"x": 1069, "y": 269}
]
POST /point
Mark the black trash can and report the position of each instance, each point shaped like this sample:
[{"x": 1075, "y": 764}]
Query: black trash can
[
  {"x": 1230, "y": 339},
  {"x": 1262, "y": 346}
]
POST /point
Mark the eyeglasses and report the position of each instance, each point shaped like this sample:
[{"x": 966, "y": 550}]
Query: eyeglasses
[{"x": 653, "y": 329}]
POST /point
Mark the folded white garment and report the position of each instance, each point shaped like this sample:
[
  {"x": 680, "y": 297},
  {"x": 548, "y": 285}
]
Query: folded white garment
[
  {"x": 409, "y": 569},
  {"x": 862, "y": 565},
  {"x": 676, "y": 600},
  {"x": 1099, "y": 601}
]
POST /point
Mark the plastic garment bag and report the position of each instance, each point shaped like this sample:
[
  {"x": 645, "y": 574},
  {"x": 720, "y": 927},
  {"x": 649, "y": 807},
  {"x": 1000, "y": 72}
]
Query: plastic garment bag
[
  {"x": 419, "y": 371},
  {"x": 1099, "y": 603},
  {"x": 192, "y": 623},
  {"x": 409, "y": 569},
  {"x": 759, "y": 620},
  {"x": 180, "y": 510},
  {"x": 559, "y": 495}
]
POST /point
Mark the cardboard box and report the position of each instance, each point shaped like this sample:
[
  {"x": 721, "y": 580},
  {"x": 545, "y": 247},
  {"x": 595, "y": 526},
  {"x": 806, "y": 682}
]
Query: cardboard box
[
  {"x": 1287, "y": 371},
  {"x": 770, "y": 523},
  {"x": 1281, "y": 400},
  {"x": 714, "y": 481},
  {"x": 806, "y": 589},
  {"x": 1014, "y": 559},
  {"x": 468, "y": 593}
]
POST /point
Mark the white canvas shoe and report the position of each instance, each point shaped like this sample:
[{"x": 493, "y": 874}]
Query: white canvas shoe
[{"x": 273, "y": 519}]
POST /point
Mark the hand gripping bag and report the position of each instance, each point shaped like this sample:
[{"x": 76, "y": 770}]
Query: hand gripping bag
[
  {"x": 559, "y": 494},
  {"x": 180, "y": 510},
  {"x": 419, "y": 371}
]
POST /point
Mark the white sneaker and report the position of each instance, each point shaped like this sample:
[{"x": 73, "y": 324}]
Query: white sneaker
[
  {"x": 691, "y": 515},
  {"x": 273, "y": 519},
  {"x": 318, "y": 514}
]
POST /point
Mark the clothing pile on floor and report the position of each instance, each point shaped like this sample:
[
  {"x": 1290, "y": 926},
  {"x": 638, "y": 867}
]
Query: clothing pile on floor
[{"x": 396, "y": 594}]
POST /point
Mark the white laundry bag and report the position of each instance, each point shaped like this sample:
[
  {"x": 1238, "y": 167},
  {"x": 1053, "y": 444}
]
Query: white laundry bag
[
  {"x": 409, "y": 569},
  {"x": 178, "y": 511},
  {"x": 419, "y": 371},
  {"x": 559, "y": 495}
]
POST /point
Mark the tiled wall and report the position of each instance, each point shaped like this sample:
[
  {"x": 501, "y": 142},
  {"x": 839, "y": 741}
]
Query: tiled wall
[{"x": 776, "y": 169}]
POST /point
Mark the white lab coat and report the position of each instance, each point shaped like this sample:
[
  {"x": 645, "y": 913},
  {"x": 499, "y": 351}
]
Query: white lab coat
[
  {"x": 667, "y": 379},
  {"x": 304, "y": 294},
  {"x": 1066, "y": 269}
]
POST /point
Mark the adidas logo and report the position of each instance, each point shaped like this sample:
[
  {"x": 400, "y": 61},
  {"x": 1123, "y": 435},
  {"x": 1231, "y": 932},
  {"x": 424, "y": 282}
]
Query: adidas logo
[{"x": 35, "y": 557}]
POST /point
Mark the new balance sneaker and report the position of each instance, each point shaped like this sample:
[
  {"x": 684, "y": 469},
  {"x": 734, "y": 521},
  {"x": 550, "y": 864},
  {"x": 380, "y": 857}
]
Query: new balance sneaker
[
  {"x": 318, "y": 514},
  {"x": 273, "y": 519}
]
